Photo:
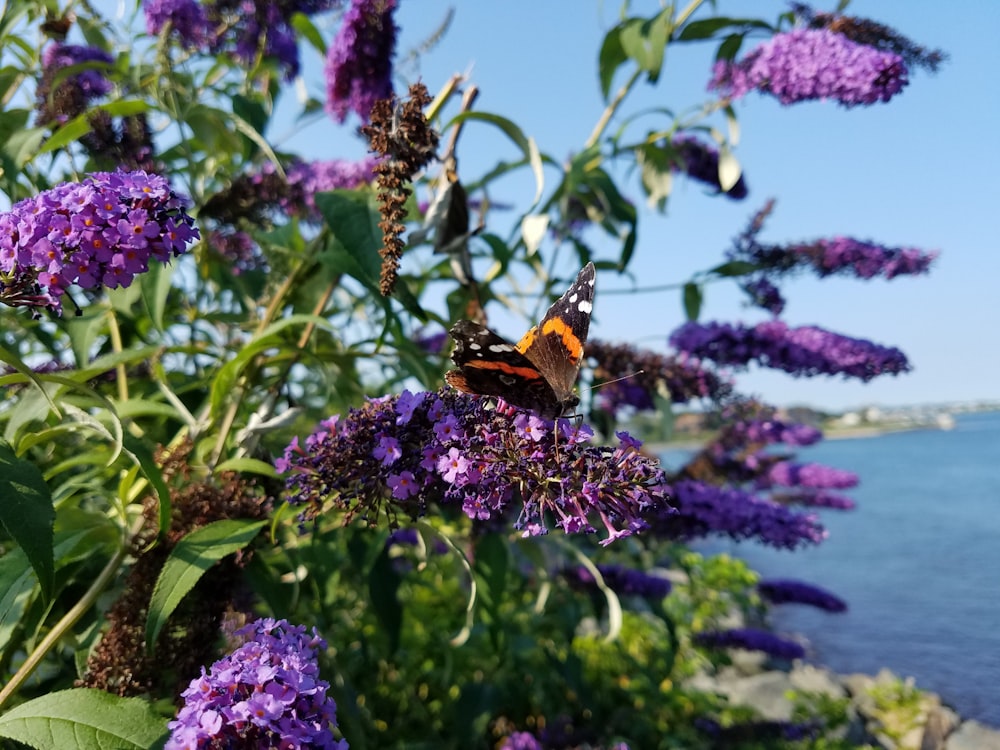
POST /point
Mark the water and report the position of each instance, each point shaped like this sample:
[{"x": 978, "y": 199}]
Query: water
[{"x": 918, "y": 562}]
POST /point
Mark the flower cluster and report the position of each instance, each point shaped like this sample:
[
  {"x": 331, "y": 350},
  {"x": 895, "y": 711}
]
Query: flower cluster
[
  {"x": 779, "y": 591},
  {"x": 265, "y": 693},
  {"x": 59, "y": 102},
  {"x": 871, "y": 33},
  {"x": 244, "y": 28},
  {"x": 813, "y": 498},
  {"x": 750, "y": 639},
  {"x": 621, "y": 580},
  {"x": 838, "y": 255},
  {"x": 186, "y": 18},
  {"x": 804, "y": 64},
  {"x": 762, "y": 733},
  {"x": 402, "y": 452},
  {"x": 808, "y": 350},
  {"x": 765, "y": 295},
  {"x": 749, "y": 422},
  {"x": 102, "y": 231},
  {"x": 811, "y": 476},
  {"x": 359, "y": 62},
  {"x": 306, "y": 179},
  {"x": 640, "y": 375},
  {"x": 701, "y": 162},
  {"x": 703, "y": 509}
]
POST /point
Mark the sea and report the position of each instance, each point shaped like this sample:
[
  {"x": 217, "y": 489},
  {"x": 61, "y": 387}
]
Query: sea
[{"x": 918, "y": 562}]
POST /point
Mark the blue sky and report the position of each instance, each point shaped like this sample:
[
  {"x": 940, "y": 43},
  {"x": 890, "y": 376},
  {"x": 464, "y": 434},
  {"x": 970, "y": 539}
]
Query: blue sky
[{"x": 920, "y": 171}]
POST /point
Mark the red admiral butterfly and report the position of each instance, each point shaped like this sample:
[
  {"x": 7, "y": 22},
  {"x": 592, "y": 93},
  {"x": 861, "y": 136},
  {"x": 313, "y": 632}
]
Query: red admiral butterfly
[{"x": 539, "y": 371}]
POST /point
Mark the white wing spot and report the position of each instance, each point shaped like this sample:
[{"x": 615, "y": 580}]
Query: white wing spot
[
  {"x": 474, "y": 346},
  {"x": 584, "y": 306},
  {"x": 574, "y": 297},
  {"x": 499, "y": 348}
]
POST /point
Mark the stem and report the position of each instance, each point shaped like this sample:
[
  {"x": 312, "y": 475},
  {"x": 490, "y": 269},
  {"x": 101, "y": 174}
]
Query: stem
[
  {"x": 609, "y": 111},
  {"x": 116, "y": 346},
  {"x": 63, "y": 626}
]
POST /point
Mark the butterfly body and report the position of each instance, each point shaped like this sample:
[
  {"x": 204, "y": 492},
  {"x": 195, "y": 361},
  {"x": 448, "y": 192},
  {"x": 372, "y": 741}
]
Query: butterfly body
[{"x": 537, "y": 373}]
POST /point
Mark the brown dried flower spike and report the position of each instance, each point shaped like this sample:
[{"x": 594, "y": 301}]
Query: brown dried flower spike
[{"x": 399, "y": 132}]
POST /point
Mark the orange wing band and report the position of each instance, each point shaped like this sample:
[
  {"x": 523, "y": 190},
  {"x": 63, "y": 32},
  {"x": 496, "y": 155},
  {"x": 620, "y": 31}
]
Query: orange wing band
[{"x": 528, "y": 373}]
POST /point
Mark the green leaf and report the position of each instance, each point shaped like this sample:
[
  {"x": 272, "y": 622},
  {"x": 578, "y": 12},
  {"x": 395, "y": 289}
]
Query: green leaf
[
  {"x": 709, "y": 27},
  {"x": 84, "y": 719},
  {"x": 26, "y": 513},
  {"x": 307, "y": 30},
  {"x": 247, "y": 465},
  {"x": 512, "y": 131},
  {"x": 645, "y": 41},
  {"x": 188, "y": 562},
  {"x": 143, "y": 456},
  {"x": 155, "y": 290},
  {"x": 383, "y": 589},
  {"x": 734, "y": 268},
  {"x": 353, "y": 218},
  {"x": 611, "y": 57},
  {"x": 692, "y": 300}
]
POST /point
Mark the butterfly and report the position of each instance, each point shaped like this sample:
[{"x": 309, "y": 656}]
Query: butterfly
[{"x": 537, "y": 373}]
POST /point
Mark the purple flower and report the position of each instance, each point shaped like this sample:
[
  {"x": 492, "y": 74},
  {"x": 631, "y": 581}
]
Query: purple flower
[
  {"x": 621, "y": 580},
  {"x": 704, "y": 509},
  {"x": 805, "y": 64},
  {"x": 306, "y": 179},
  {"x": 701, "y": 162},
  {"x": 765, "y": 295},
  {"x": 265, "y": 693},
  {"x": 838, "y": 255},
  {"x": 640, "y": 375},
  {"x": 359, "y": 62},
  {"x": 186, "y": 18},
  {"x": 812, "y": 498},
  {"x": 779, "y": 591},
  {"x": 103, "y": 230},
  {"x": 765, "y": 731},
  {"x": 521, "y": 741},
  {"x": 808, "y": 350},
  {"x": 812, "y": 476},
  {"x": 461, "y": 453},
  {"x": 60, "y": 98},
  {"x": 750, "y": 639}
]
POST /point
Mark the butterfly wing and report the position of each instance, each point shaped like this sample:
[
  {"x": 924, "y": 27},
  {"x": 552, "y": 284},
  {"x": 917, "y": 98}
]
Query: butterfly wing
[
  {"x": 555, "y": 346},
  {"x": 489, "y": 365}
]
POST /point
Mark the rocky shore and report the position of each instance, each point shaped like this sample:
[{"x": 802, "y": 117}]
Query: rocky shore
[{"x": 884, "y": 711}]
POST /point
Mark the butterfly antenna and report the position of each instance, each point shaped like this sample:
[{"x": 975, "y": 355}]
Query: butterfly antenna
[{"x": 616, "y": 380}]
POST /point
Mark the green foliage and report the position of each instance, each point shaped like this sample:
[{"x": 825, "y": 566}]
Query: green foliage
[{"x": 141, "y": 428}]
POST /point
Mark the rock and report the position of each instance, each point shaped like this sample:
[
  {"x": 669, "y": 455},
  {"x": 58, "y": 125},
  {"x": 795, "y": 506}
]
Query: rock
[
  {"x": 974, "y": 736},
  {"x": 764, "y": 692},
  {"x": 812, "y": 679},
  {"x": 941, "y": 720}
]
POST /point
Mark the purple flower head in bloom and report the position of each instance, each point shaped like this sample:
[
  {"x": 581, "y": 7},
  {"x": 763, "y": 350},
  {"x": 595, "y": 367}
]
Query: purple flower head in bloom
[
  {"x": 102, "y": 231},
  {"x": 306, "y": 179},
  {"x": 92, "y": 83},
  {"x": 813, "y": 498},
  {"x": 808, "y": 350},
  {"x": 621, "y": 580},
  {"x": 187, "y": 19},
  {"x": 452, "y": 449},
  {"x": 639, "y": 375},
  {"x": 705, "y": 509},
  {"x": 780, "y": 591},
  {"x": 701, "y": 162},
  {"x": 765, "y": 295},
  {"x": 237, "y": 250},
  {"x": 751, "y": 639},
  {"x": 59, "y": 97},
  {"x": 751, "y": 423},
  {"x": 843, "y": 256},
  {"x": 359, "y": 62},
  {"x": 766, "y": 731},
  {"x": 805, "y": 64},
  {"x": 521, "y": 741},
  {"x": 811, "y": 476},
  {"x": 265, "y": 693}
]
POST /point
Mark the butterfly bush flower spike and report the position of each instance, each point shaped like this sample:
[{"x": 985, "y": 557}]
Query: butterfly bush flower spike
[
  {"x": 499, "y": 466},
  {"x": 265, "y": 693},
  {"x": 806, "y": 64},
  {"x": 99, "y": 232},
  {"x": 359, "y": 61}
]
